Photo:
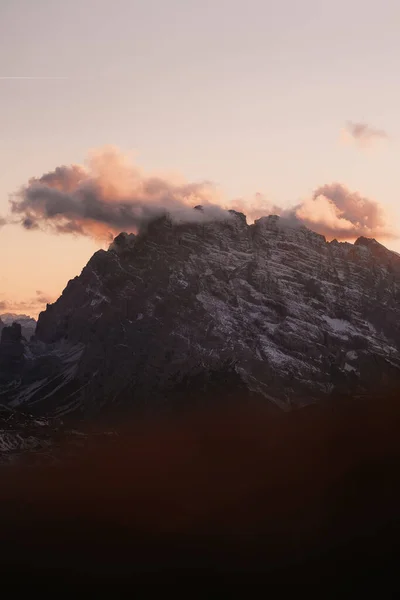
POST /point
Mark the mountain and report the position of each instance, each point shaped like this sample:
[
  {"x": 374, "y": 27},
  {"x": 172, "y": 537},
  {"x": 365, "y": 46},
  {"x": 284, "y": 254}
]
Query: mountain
[
  {"x": 28, "y": 324},
  {"x": 187, "y": 311}
]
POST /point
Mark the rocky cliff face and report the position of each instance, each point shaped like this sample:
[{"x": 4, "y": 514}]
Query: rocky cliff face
[
  {"x": 28, "y": 324},
  {"x": 11, "y": 349},
  {"x": 277, "y": 310}
]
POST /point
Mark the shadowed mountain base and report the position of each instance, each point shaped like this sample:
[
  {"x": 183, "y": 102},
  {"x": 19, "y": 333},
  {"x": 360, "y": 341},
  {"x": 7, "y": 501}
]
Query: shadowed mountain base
[{"x": 303, "y": 497}]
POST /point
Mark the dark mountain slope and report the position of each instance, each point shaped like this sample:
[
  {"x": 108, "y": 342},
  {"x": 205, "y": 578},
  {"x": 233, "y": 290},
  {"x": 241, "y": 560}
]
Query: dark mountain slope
[{"x": 293, "y": 318}]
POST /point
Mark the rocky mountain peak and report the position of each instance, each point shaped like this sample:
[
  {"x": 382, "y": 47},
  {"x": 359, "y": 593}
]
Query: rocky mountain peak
[
  {"x": 289, "y": 230},
  {"x": 378, "y": 251},
  {"x": 368, "y": 242},
  {"x": 28, "y": 324},
  {"x": 122, "y": 242},
  {"x": 11, "y": 334},
  {"x": 273, "y": 305}
]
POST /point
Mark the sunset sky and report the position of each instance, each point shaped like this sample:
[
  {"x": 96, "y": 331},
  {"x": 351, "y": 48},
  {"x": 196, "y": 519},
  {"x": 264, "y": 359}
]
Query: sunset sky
[{"x": 278, "y": 98}]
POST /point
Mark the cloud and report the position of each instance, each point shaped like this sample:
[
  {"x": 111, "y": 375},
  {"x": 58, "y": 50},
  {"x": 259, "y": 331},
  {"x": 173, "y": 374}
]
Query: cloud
[
  {"x": 338, "y": 212},
  {"x": 363, "y": 134},
  {"x": 110, "y": 194},
  {"x": 31, "y": 306},
  {"x": 42, "y": 298},
  {"x": 3, "y": 221},
  {"x": 29, "y": 223},
  {"x": 333, "y": 211},
  {"x": 107, "y": 196},
  {"x": 256, "y": 207}
]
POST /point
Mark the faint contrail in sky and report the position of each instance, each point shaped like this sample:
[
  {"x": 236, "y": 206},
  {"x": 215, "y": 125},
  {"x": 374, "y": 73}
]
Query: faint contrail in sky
[
  {"x": 6, "y": 77},
  {"x": 34, "y": 77},
  {"x": 55, "y": 78}
]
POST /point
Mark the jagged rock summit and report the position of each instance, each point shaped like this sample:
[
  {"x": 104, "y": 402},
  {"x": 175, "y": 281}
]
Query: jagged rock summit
[
  {"x": 275, "y": 308},
  {"x": 28, "y": 324}
]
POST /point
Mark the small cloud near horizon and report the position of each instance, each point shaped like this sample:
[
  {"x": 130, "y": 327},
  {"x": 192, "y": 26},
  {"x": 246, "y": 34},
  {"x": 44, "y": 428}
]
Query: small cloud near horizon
[
  {"x": 31, "y": 307},
  {"x": 363, "y": 134}
]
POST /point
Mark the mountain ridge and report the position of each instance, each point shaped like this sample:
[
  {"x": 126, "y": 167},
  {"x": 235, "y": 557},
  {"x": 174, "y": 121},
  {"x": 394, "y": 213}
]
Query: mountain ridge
[
  {"x": 278, "y": 309},
  {"x": 28, "y": 323}
]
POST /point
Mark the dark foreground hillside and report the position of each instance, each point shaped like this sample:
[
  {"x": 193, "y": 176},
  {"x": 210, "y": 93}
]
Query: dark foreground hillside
[{"x": 309, "y": 497}]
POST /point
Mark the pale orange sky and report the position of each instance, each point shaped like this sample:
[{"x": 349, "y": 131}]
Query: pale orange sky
[{"x": 252, "y": 95}]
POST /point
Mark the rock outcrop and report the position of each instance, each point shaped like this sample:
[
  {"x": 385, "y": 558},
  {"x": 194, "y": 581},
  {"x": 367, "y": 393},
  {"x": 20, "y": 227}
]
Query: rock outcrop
[
  {"x": 28, "y": 324},
  {"x": 11, "y": 349}
]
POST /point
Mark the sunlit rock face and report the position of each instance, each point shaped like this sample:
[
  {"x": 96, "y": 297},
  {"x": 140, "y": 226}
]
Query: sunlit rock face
[{"x": 285, "y": 314}]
